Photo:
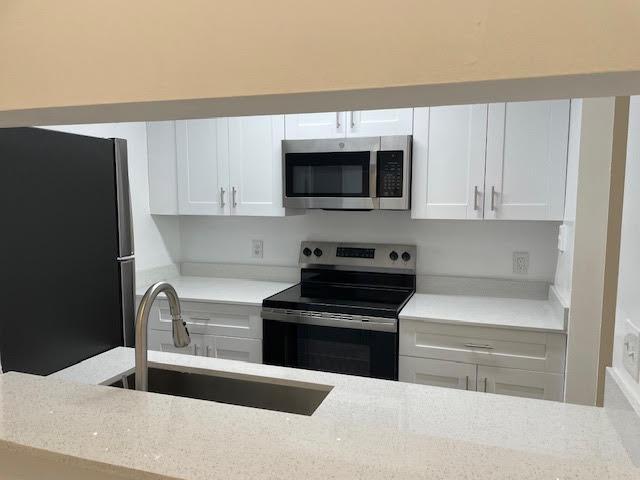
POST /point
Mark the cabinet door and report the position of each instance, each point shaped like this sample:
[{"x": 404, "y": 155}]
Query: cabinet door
[
  {"x": 163, "y": 174},
  {"x": 162, "y": 341},
  {"x": 203, "y": 177},
  {"x": 255, "y": 165},
  {"x": 527, "y": 160},
  {"x": 426, "y": 371},
  {"x": 373, "y": 123},
  {"x": 231, "y": 348},
  {"x": 315, "y": 125},
  {"x": 449, "y": 162},
  {"x": 520, "y": 383}
]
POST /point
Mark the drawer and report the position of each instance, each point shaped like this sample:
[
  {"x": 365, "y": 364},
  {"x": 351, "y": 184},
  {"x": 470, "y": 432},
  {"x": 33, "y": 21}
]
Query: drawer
[
  {"x": 499, "y": 347},
  {"x": 211, "y": 319}
]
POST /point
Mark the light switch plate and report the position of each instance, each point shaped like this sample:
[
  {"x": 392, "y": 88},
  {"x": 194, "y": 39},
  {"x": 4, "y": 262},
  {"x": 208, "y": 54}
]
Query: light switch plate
[
  {"x": 521, "y": 263},
  {"x": 631, "y": 350},
  {"x": 562, "y": 238}
]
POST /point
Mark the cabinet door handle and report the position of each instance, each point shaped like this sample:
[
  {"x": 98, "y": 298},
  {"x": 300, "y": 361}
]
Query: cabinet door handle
[
  {"x": 493, "y": 198},
  {"x": 208, "y": 350},
  {"x": 475, "y": 198},
  {"x": 234, "y": 190},
  {"x": 485, "y": 384},
  {"x": 478, "y": 345},
  {"x": 195, "y": 350},
  {"x": 352, "y": 121},
  {"x": 222, "y": 192},
  {"x": 466, "y": 383},
  {"x": 338, "y": 120}
]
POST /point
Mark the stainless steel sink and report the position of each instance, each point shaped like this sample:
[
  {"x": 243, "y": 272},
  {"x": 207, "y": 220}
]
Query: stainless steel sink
[{"x": 301, "y": 399}]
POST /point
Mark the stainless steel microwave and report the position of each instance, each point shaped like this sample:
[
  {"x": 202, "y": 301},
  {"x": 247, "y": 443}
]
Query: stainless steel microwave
[{"x": 370, "y": 173}]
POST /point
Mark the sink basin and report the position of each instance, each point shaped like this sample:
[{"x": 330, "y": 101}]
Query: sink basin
[{"x": 301, "y": 399}]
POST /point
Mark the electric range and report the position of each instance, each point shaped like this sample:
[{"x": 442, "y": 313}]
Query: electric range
[{"x": 343, "y": 315}]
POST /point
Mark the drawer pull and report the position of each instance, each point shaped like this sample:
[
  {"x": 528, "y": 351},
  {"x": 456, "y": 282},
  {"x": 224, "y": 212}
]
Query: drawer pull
[{"x": 478, "y": 345}]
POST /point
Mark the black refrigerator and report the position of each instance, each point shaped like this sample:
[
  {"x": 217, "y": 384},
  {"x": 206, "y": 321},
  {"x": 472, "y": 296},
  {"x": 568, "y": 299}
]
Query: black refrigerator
[{"x": 67, "y": 288}]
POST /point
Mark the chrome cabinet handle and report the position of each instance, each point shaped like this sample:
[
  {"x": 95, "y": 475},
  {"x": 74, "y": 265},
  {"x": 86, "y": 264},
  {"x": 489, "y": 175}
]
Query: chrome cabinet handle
[
  {"x": 338, "y": 120},
  {"x": 208, "y": 350},
  {"x": 478, "y": 345},
  {"x": 485, "y": 384},
  {"x": 195, "y": 350},
  {"x": 493, "y": 198},
  {"x": 475, "y": 198},
  {"x": 352, "y": 121},
  {"x": 222, "y": 192},
  {"x": 466, "y": 385},
  {"x": 234, "y": 190}
]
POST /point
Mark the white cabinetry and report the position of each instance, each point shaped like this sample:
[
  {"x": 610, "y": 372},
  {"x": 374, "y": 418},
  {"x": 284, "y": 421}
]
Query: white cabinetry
[
  {"x": 448, "y": 165},
  {"x": 222, "y": 166},
  {"x": 365, "y": 123},
  {"x": 527, "y": 160},
  {"x": 427, "y": 371},
  {"x": 497, "y": 360},
  {"x": 233, "y": 332},
  {"x": 203, "y": 175},
  {"x": 496, "y": 161}
]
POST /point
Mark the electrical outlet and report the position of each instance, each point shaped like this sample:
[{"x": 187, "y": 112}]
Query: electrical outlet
[
  {"x": 521, "y": 262},
  {"x": 257, "y": 248},
  {"x": 562, "y": 238},
  {"x": 631, "y": 350}
]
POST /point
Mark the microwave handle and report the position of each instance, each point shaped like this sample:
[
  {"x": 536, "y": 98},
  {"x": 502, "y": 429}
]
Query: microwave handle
[{"x": 373, "y": 174}]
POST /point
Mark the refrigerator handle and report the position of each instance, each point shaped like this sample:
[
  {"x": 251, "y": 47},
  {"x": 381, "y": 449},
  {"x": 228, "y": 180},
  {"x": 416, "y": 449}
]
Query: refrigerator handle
[
  {"x": 125, "y": 223},
  {"x": 128, "y": 300}
]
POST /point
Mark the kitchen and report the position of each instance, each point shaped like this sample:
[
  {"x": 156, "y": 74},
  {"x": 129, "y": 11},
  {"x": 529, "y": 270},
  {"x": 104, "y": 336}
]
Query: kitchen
[{"x": 343, "y": 277}]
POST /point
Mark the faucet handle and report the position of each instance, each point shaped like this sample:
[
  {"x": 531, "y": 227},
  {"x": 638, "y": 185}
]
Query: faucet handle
[{"x": 181, "y": 336}]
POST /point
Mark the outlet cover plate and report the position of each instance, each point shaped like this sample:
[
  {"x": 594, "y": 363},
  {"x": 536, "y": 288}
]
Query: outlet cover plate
[
  {"x": 631, "y": 350},
  {"x": 257, "y": 250},
  {"x": 521, "y": 263}
]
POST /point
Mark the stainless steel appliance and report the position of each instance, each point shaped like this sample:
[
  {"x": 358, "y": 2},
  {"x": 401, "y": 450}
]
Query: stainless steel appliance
[
  {"x": 343, "y": 315},
  {"x": 68, "y": 267},
  {"x": 372, "y": 173}
]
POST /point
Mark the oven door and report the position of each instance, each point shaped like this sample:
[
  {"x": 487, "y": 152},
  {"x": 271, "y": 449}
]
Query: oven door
[
  {"x": 331, "y": 174},
  {"x": 367, "y": 353}
]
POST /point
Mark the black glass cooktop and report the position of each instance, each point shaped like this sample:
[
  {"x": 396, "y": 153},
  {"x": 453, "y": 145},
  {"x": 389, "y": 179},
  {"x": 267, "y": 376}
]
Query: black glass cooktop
[{"x": 356, "y": 293}]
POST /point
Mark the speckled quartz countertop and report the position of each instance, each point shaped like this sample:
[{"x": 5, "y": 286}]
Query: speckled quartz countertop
[
  {"x": 514, "y": 313},
  {"x": 364, "y": 429},
  {"x": 223, "y": 290}
]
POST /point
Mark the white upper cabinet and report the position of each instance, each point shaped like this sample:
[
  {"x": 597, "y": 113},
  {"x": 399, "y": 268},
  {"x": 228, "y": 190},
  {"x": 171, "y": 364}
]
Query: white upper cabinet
[
  {"x": 365, "y": 123},
  {"x": 373, "y": 123},
  {"x": 449, "y": 161},
  {"x": 304, "y": 126},
  {"x": 201, "y": 153},
  {"x": 526, "y": 160},
  {"x": 224, "y": 166},
  {"x": 255, "y": 165}
]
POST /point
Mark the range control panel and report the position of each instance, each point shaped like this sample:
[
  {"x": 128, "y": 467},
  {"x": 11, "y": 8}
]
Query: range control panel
[{"x": 368, "y": 256}]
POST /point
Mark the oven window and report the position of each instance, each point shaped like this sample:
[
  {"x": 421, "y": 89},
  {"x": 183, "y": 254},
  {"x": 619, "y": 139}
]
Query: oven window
[{"x": 337, "y": 174}]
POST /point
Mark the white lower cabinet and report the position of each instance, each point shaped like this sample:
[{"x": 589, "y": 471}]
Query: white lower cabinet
[
  {"x": 520, "y": 383},
  {"x": 439, "y": 373},
  {"x": 487, "y": 359},
  {"x": 229, "y": 331}
]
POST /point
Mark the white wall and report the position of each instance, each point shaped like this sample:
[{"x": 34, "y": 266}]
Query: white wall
[
  {"x": 445, "y": 247},
  {"x": 628, "y": 306},
  {"x": 564, "y": 269},
  {"x": 157, "y": 239}
]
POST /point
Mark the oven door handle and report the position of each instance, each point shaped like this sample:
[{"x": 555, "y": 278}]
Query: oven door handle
[{"x": 326, "y": 319}]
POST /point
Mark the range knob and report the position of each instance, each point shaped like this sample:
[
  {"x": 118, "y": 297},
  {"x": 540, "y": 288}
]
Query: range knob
[
  {"x": 406, "y": 257},
  {"x": 306, "y": 252},
  {"x": 393, "y": 255},
  {"x": 317, "y": 252}
]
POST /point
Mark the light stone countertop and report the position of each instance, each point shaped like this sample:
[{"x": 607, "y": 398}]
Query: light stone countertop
[
  {"x": 223, "y": 290},
  {"x": 365, "y": 428},
  {"x": 515, "y": 313}
]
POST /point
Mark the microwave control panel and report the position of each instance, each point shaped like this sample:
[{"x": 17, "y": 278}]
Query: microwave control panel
[{"x": 390, "y": 174}]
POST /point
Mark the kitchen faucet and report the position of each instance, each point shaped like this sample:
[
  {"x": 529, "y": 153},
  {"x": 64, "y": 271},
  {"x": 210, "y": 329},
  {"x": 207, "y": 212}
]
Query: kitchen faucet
[{"x": 180, "y": 333}]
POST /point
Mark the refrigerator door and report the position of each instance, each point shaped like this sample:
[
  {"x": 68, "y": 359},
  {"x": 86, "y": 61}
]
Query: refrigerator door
[{"x": 61, "y": 281}]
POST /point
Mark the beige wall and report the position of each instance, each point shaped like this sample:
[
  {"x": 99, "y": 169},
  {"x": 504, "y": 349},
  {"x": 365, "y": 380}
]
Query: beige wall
[{"x": 249, "y": 56}]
